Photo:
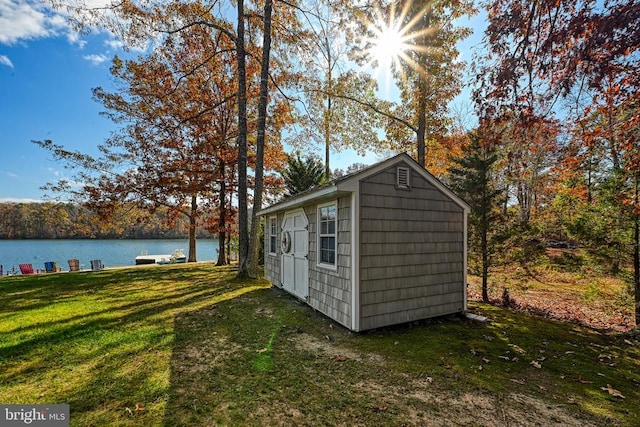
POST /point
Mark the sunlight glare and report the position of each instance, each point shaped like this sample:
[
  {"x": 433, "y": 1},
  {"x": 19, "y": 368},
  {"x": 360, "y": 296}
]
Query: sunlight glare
[{"x": 388, "y": 46}]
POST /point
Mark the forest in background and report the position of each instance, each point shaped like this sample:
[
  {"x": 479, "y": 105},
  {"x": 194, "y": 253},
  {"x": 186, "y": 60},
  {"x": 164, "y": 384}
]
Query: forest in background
[{"x": 71, "y": 221}]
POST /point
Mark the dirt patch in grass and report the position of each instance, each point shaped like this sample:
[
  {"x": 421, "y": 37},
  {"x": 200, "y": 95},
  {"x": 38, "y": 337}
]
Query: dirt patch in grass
[
  {"x": 326, "y": 348},
  {"x": 424, "y": 403},
  {"x": 195, "y": 354}
]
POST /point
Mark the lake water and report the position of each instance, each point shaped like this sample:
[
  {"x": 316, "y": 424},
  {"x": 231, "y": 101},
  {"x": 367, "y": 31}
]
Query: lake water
[{"x": 112, "y": 253}]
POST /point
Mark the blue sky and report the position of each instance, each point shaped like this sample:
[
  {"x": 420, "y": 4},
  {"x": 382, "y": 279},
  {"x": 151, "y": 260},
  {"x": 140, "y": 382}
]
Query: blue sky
[{"x": 47, "y": 73}]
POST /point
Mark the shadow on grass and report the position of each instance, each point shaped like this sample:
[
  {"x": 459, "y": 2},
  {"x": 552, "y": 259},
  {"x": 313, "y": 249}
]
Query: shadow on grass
[{"x": 101, "y": 342}]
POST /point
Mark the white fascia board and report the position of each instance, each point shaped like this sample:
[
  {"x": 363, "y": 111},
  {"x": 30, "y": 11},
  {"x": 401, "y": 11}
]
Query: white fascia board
[{"x": 299, "y": 201}]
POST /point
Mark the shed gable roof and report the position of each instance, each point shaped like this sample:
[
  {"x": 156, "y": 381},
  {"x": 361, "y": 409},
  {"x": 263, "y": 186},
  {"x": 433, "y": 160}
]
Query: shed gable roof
[{"x": 349, "y": 183}]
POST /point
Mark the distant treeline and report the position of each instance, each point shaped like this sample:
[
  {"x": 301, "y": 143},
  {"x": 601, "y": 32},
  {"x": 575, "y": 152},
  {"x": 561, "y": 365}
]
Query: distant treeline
[{"x": 72, "y": 221}]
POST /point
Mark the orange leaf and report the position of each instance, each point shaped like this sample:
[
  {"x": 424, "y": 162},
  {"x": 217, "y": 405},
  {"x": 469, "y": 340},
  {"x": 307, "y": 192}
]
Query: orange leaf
[{"x": 612, "y": 391}]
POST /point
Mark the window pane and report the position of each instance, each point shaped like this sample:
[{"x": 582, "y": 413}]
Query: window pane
[
  {"x": 332, "y": 212},
  {"x": 332, "y": 227},
  {"x": 328, "y": 250},
  {"x": 332, "y": 257},
  {"x": 324, "y": 243},
  {"x": 323, "y": 214}
]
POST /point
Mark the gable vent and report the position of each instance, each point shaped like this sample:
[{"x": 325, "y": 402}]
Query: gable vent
[{"x": 402, "y": 178}]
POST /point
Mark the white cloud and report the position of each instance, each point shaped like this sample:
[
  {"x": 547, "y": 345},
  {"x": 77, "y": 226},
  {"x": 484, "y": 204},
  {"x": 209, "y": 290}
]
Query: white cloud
[
  {"x": 12, "y": 175},
  {"x": 4, "y": 60},
  {"x": 114, "y": 44},
  {"x": 27, "y": 20},
  {"x": 18, "y": 200},
  {"x": 24, "y": 20},
  {"x": 96, "y": 59}
]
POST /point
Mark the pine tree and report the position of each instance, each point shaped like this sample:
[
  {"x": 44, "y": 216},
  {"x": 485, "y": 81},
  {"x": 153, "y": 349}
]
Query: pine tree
[
  {"x": 471, "y": 177},
  {"x": 302, "y": 174}
]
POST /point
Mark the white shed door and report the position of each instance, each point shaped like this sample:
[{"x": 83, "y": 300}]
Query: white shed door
[{"x": 295, "y": 253}]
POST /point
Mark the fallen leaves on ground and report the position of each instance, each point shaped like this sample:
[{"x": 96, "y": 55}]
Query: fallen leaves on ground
[
  {"x": 568, "y": 306},
  {"x": 612, "y": 391}
]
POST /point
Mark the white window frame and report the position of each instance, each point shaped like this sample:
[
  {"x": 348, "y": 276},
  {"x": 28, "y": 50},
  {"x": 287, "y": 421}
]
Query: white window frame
[
  {"x": 273, "y": 233},
  {"x": 320, "y": 263}
]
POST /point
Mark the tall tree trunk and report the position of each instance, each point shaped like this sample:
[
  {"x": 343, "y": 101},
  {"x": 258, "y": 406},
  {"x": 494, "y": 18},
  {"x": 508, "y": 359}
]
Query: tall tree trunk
[
  {"x": 327, "y": 114},
  {"x": 484, "y": 247},
  {"x": 423, "y": 91},
  {"x": 262, "y": 125},
  {"x": 222, "y": 222},
  {"x": 193, "y": 220},
  {"x": 636, "y": 251},
  {"x": 422, "y": 119},
  {"x": 243, "y": 218}
]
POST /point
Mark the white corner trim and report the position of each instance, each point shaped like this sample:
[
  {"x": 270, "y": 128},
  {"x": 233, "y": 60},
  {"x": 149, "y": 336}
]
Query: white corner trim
[
  {"x": 355, "y": 261},
  {"x": 464, "y": 258}
]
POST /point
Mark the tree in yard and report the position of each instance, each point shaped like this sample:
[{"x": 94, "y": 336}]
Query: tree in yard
[
  {"x": 472, "y": 177},
  {"x": 241, "y": 96},
  {"x": 302, "y": 174}
]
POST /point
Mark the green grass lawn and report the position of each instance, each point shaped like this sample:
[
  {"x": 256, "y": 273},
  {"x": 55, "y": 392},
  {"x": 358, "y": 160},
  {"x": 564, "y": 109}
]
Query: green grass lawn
[{"x": 190, "y": 345}]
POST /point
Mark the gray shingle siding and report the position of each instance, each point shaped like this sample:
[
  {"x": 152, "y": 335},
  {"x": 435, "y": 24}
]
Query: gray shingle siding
[
  {"x": 330, "y": 290},
  {"x": 411, "y": 253}
]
